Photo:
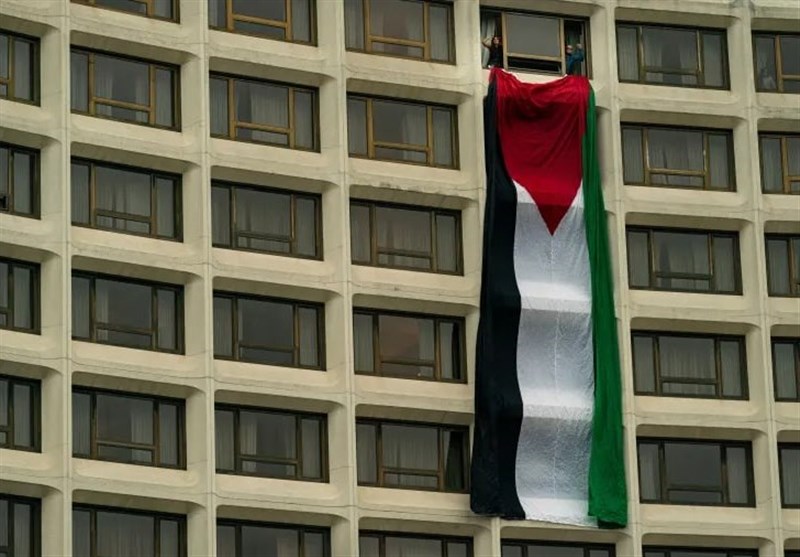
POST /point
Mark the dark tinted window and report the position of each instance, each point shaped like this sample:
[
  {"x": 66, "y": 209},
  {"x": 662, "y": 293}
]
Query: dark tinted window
[
  {"x": 20, "y": 527},
  {"x": 105, "y": 532},
  {"x": 19, "y": 296},
  {"x": 246, "y": 539},
  {"x": 786, "y": 368},
  {"x": 789, "y": 458}
]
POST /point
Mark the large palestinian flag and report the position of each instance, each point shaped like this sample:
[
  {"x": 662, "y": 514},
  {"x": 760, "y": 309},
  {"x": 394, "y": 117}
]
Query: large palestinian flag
[{"x": 548, "y": 421}]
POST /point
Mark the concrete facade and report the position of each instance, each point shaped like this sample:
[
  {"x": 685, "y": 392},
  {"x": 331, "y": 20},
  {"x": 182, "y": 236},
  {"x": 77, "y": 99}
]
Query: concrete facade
[{"x": 197, "y": 492}]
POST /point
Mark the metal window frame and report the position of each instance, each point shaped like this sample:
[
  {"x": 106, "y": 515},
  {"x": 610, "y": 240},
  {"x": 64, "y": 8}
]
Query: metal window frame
[
  {"x": 724, "y": 445},
  {"x": 792, "y": 264},
  {"x": 156, "y": 516},
  {"x": 151, "y": 108},
  {"x": 296, "y": 305},
  {"x": 233, "y": 187},
  {"x": 586, "y": 547},
  {"x": 152, "y": 220},
  {"x": 35, "y": 182},
  {"x": 381, "y": 536},
  {"x": 35, "y": 525},
  {"x": 425, "y": 44},
  {"x": 95, "y": 440},
  {"x": 12, "y": 70},
  {"x": 233, "y": 124},
  {"x": 436, "y": 364},
  {"x": 699, "y": 72},
  {"x": 36, "y": 414},
  {"x": 297, "y": 462},
  {"x": 231, "y": 17},
  {"x": 795, "y": 342},
  {"x": 710, "y": 235},
  {"x": 780, "y": 76},
  {"x": 35, "y": 301},
  {"x": 705, "y": 174},
  {"x": 788, "y": 447},
  {"x": 718, "y": 381},
  {"x": 300, "y": 529},
  {"x": 155, "y": 286},
  {"x": 783, "y": 138},
  {"x": 381, "y": 470}
]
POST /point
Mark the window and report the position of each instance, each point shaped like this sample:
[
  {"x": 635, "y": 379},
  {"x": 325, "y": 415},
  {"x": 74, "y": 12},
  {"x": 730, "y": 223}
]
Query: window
[
  {"x": 128, "y": 428},
  {"x": 674, "y": 364},
  {"x": 697, "y": 552},
  {"x": 19, "y": 68},
  {"x": 534, "y": 42},
  {"x": 777, "y": 62},
  {"x": 271, "y": 443},
  {"x": 780, "y": 163},
  {"x": 20, "y": 527},
  {"x": 786, "y": 366},
  {"x": 521, "y": 548},
  {"x": 402, "y": 131},
  {"x": 243, "y": 539},
  {"x": 268, "y": 331},
  {"x": 783, "y": 265},
  {"x": 419, "y": 29},
  {"x": 264, "y": 112},
  {"x": 684, "y": 260},
  {"x": 285, "y": 20},
  {"x": 677, "y": 158},
  {"x": 20, "y": 427},
  {"x": 684, "y": 472},
  {"x": 266, "y": 220},
  {"x": 125, "y": 89},
  {"x": 405, "y": 237},
  {"x": 109, "y": 532},
  {"x": 412, "y": 456},
  {"x": 126, "y": 199},
  {"x": 789, "y": 457},
  {"x": 381, "y": 544},
  {"x": 158, "y": 9},
  {"x": 124, "y": 312},
  {"x": 19, "y": 180},
  {"x": 411, "y": 346},
  {"x": 676, "y": 56},
  {"x": 19, "y": 296}
]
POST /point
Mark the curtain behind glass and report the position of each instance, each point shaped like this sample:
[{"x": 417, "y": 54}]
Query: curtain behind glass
[
  {"x": 676, "y": 150},
  {"x": 79, "y": 81},
  {"x": 682, "y": 253},
  {"x": 628, "y": 53},
  {"x": 687, "y": 358},
  {"x": 790, "y": 475},
  {"x": 766, "y": 70},
  {"x": 777, "y": 266},
  {"x": 403, "y": 229},
  {"x": 649, "y": 473},
  {"x": 736, "y": 468},
  {"x": 412, "y": 547},
  {"x": 354, "y": 24},
  {"x": 125, "y": 535},
  {"x": 224, "y": 440},
  {"x": 410, "y": 447},
  {"x": 785, "y": 375}
]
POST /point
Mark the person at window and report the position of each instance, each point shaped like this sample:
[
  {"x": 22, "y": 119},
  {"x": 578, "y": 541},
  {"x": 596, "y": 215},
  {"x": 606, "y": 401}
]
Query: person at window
[
  {"x": 574, "y": 58},
  {"x": 495, "y": 46}
]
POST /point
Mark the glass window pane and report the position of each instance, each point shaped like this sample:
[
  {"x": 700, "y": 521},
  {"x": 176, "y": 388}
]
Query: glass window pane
[
  {"x": 266, "y": 324},
  {"x": 681, "y": 253},
  {"x": 224, "y": 438},
  {"x": 306, "y": 226},
  {"x": 220, "y": 216},
  {"x": 443, "y": 137},
  {"x": 400, "y": 123},
  {"x": 264, "y": 213},
  {"x": 692, "y": 464},
  {"x": 369, "y": 546},
  {"x": 407, "y": 345},
  {"x": 79, "y": 81},
  {"x": 5, "y": 157},
  {"x": 79, "y": 194},
  {"x": 450, "y": 350},
  {"x": 690, "y": 358},
  {"x": 649, "y": 472},
  {"x": 226, "y": 541},
  {"x": 24, "y": 293},
  {"x": 628, "y": 53},
  {"x": 354, "y": 24},
  {"x": 790, "y": 54},
  {"x": 730, "y": 359},
  {"x": 766, "y": 70},
  {"x": 23, "y": 530},
  {"x": 447, "y": 244},
  {"x": 302, "y": 19},
  {"x": 23, "y": 415},
  {"x": 675, "y": 149},
  {"x": 267, "y": 435},
  {"x": 168, "y": 435},
  {"x": 264, "y": 540},
  {"x": 4, "y": 51},
  {"x": 771, "y": 165},
  {"x": 261, "y": 103},
  {"x": 454, "y": 447},
  {"x": 163, "y": 8},
  {"x": 363, "y": 342},
  {"x": 784, "y": 362},
  {"x": 312, "y": 448},
  {"x": 643, "y": 368},
  {"x": 385, "y": 16},
  {"x": 164, "y": 98},
  {"x": 790, "y": 475},
  {"x": 170, "y": 538},
  {"x": 4, "y": 285},
  {"x": 80, "y": 307},
  {"x": 4, "y": 406},
  {"x": 777, "y": 266},
  {"x": 23, "y": 182},
  {"x": 116, "y": 529},
  {"x": 167, "y": 319},
  {"x": 309, "y": 337},
  {"x": 304, "y": 119},
  {"x": 81, "y": 532},
  {"x": 457, "y": 549},
  {"x": 219, "y": 107},
  {"x": 357, "y": 126},
  {"x": 793, "y": 154},
  {"x": 713, "y": 60},
  {"x": 223, "y": 327},
  {"x": 410, "y": 447},
  {"x": 360, "y": 234},
  {"x": 533, "y": 35},
  {"x": 124, "y": 419},
  {"x": 632, "y": 156},
  {"x": 367, "y": 457},
  {"x": 165, "y": 207},
  {"x": 719, "y": 166},
  {"x": 406, "y": 230},
  {"x": 313, "y": 544},
  {"x": 122, "y": 80},
  {"x": 511, "y": 551},
  {"x": 440, "y": 39},
  {"x": 736, "y": 470},
  {"x": 400, "y": 546},
  {"x": 638, "y": 259}
]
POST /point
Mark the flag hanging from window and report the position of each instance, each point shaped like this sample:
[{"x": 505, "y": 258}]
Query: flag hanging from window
[{"x": 548, "y": 439}]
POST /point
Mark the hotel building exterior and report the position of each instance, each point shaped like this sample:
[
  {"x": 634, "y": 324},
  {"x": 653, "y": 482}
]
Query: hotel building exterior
[{"x": 240, "y": 262}]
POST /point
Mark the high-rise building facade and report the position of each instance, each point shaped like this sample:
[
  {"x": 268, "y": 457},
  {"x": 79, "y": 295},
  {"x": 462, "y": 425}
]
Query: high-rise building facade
[{"x": 240, "y": 262}]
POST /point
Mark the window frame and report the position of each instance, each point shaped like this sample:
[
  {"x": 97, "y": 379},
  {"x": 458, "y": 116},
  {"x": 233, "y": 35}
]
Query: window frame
[
  {"x": 724, "y": 445},
  {"x": 705, "y": 174},
  {"x": 180, "y": 320},
  {"x": 95, "y": 442},
  {"x": 381, "y": 535},
  {"x": 586, "y": 547},
  {"x": 297, "y": 462},
  {"x": 796, "y": 346},
  {"x": 667, "y": 550},
  {"x": 152, "y": 221},
  {"x": 781, "y": 448},
  {"x": 425, "y": 44},
  {"x": 372, "y": 145},
  {"x": 36, "y": 414},
  {"x": 780, "y": 77},
  {"x": 35, "y": 72},
  {"x": 710, "y": 234},
  {"x": 381, "y": 471},
  {"x": 300, "y": 529},
  {"x": 157, "y": 516},
  {"x": 787, "y": 178},
  {"x": 437, "y": 319},
  {"x": 792, "y": 265},
  {"x": 35, "y": 301},
  {"x": 376, "y": 251},
  {"x": 289, "y": 131},
  {"x": 35, "y": 181},
  {"x": 296, "y": 305},
  {"x": 643, "y": 70},
  {"x": 151, "y": 109},
  {"x": 231, "y": 17},
  {"x": 35, "y": 506},
  {"x": 149, "y": 13},
  {"x": 294, "y": 195},
  {"x": 718, "y": 384}
]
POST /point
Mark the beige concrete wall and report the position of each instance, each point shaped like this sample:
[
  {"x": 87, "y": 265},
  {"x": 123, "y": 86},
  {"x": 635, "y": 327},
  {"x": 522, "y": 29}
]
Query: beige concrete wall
[{"x": 59, "y": 362}]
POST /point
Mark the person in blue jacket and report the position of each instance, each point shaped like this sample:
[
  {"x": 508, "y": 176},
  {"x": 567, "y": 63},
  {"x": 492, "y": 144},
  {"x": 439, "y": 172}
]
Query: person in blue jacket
[{"x": 574, "y": 58}]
